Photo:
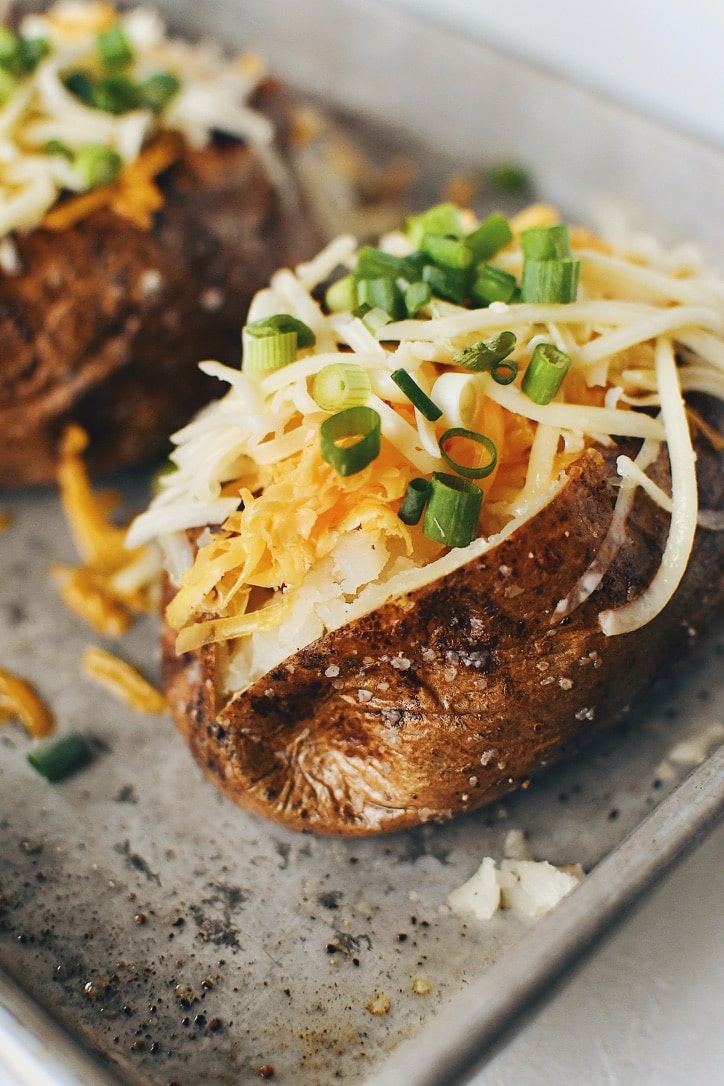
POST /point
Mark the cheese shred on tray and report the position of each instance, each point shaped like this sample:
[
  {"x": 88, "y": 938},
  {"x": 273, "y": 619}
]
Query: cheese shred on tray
[{"x": 402, "y": 409}]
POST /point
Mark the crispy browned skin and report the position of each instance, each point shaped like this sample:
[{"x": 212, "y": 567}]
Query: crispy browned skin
[
  {"x": 456, "y": 694},
  {"x": 107, "y": 322}
]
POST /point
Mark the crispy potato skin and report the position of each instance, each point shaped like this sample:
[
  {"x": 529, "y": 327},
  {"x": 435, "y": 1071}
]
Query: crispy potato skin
[
  {"x": 106, "y": 323},
  {"x": 450, "y": 697}
]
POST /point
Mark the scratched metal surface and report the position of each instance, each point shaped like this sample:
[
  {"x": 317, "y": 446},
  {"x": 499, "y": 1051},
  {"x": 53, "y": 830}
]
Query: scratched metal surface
[{"x": 183, "y": 941}]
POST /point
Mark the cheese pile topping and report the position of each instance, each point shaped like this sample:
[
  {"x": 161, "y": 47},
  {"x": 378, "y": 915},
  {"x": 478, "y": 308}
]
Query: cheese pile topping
[
  {"x": 83, "y": 89},
  {"x": 289, "y": 548}
]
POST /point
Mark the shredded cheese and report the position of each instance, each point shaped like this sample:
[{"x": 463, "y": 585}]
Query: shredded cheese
[
  {"x": 19, "y": 700},
  {"x": 291, "y": 549},
  {"x": 41, "y": 184},
  {"x": 123, "y": 681}
]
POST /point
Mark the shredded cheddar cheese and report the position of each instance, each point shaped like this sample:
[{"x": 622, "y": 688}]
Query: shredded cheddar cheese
[
  {"x": 123, "y": 681},
  {"x": 290, "y": 549},
  {"x": 19, "y": 700}
]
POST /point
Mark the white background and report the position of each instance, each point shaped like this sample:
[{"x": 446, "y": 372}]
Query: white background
[{"x": 647, "y": 1009}]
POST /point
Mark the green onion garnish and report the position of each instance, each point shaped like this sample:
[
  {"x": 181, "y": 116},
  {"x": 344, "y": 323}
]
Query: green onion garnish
[
  {"x": 413, "y": 503},
  {"x": 10, "y": 54},
  {"x": 545, "y": 373},
  {"x": 414, "y": 393},
  {"x": 96, "y": 164},
  {"x": 81, "y": 85},
  {"x": 417, "y": 295},
  {"x": 373, "y": 317},
  {"x": 442, "y": 219},
  {"x": 449, "y": 283},
  {"x": 157, "y": 91},
  {"x": 480, "y": 471},
  {"x": 493, "y": 284},
  {"x": 341, "y": 296},
  {"x": 360, "y": 423},
  {"x": 32, "y": 51},
  {"x": 509, "y": 178},
  {"x": 381, "y": 293},
  {"x": 57, "y": 147},
  {"x": 60, "y": 756},
  {"x": 493, "y": 234},
  {"x": 342, "y": 384},
  {"x": 268, "y": 349},
  {"x": 8, "y": 86},
  {"x": 546, "y": 242},
  {"x": 377, "y": 264},
  {"x": 114, "y": 47},
  {"x": 447, "y": 251},
  {"x": 452, "y": 512},
  {"x": 283, "y": 322},
  {"x": 550, "y": 280},
  {"x": 487, "y": 353},
  {"x": 115, "y": 94}
]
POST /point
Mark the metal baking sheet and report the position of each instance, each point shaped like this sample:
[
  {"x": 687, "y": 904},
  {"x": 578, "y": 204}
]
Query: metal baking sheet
[{"x": 150, "y": 932}]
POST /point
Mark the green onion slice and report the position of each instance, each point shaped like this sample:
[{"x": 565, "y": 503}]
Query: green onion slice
[
  {"x": 32, "y": 51},
  {"x": 373, "y": 318},
  {"x": 80, "y": 84},
  {"x": 448, "y": 283},
  {"x": 115, "y": 94},
  {"x": 350, "y": 440},
  {"x": 8, "y": 86},
  {"x": 339, "y": 385},
  {"x": 267, "y": 350},
  {"x": 546, "y": 370},
  {"x": 97, "y": 164},
  {"x": 414, "y": 393},
  {"x": 413, "y": 503},
  {"x": 60, "y": 756},
  {"x": 550, "y": 280},
  {"x": 341, "y": 296},
  {"x": 157, "y": 91},
  {"x": 488, "y": 354},
  {"x": 449, "y": 251},
  {"x": 381, "y": 293},
  {"x": 114, "y": 47},
  {"x": 493, "y": 234},
  {"x": 509, "y": 178},
  {"x": 282, "y": 322},
  {"x": 452, "y": 512},
  {"x": 546, "y": 242},
  {"x": 493, "y": 284},
  {"x": 442, "y": 219},
  {"x": 417, "y": 295},
  {"x": 57, "y": 147},
  {"x": 377, "y": 264},
  {"x": 480, "y": 471}
]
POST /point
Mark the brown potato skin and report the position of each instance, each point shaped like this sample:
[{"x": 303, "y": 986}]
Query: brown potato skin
[
  {"x": 456, "y": 694},
  {"x": 84, "y": 339}
]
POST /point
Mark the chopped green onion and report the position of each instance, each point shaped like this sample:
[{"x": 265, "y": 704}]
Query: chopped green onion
[
  {"x": 377, "y": 264},
  {"x": 283, "y": 322},
  {"x": 81, "y": 85},
  {"x": 114, "y": 47},
  {"x": 32, "y": 51},
  {"x": 362, "y": 423},
  {"x": 448, "y": 251},
  {"x": 268, "y": 349},
  {"x": 60, "y": 756},
  {"x": 381, "y": 293},
  {"x": 373, "y": 318},
  {"x": 415, "y": 395},
  {"x": 486, "y": 354},
  {"x": 493, "y": 284},
  {"x": 448, "y": 283},
  {"x": 341, "y": 296},
  {"x": 442, "y": 219},
  {"x": 342, "y": 384},
  {"x": 546, "y": 242},
  {"x": 96, "y": 165},
  {"x": 157, "y": 91},
  {"x": 452, "y": 512},
  {"x": 417, "y": 295},
  {"x": 490, "y": 237},
  {"x": 550, "y": 280},
  {"x": 480, "y": 471},
  {"x": 545, "y": 373},
  {"x": 8, "y": 86},
  {"x": 57, "y": 147},
  {"x": 10, "y": 51},
  {"x": 115, "y": 94},
  {"x": 413, "y": 503},
  {"x": 509, "y": 178}
]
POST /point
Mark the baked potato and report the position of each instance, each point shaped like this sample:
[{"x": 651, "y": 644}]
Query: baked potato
[
  {"x": 345, "y": 650},
  {"x": 135, "y": 230}
]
